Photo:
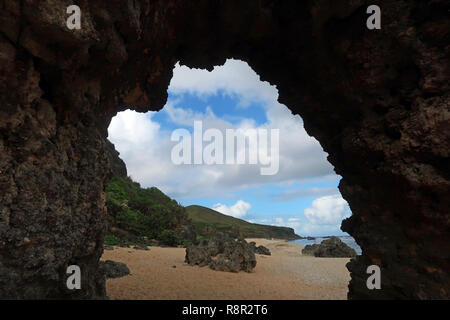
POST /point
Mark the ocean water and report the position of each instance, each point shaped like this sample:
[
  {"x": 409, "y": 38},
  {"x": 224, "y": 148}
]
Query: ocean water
[{"x": 346, "y": 239}]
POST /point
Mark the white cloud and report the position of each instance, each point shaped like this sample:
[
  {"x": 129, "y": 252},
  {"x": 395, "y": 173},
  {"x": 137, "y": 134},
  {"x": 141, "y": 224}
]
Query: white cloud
[
  {"x": 292, "y": 222},
  {"x": 279, "y": 221},
  {"x": 238, "y": 210},
  {"x": 130, "y": 129},
  {"x": 235, "y": 78},
  {"x": 146, "y": 147},
  {"x": 325, "y": 216},
  {"x": 322, "y": 218},
  {"x": 327, "y": 210}
]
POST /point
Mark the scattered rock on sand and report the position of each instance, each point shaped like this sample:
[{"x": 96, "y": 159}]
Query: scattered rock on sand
[
  {"x": 259, "y": 249},
  {"x": 222, "y": 254},
  {"x": 263, "y": 250},
  {"x": 141, "y": 247},
  {"x": 113, "y": 269},
  {"x": 332, "y": 247},
  {"x": 310, "y": 249},
  {"x": 153, "y": 242}
]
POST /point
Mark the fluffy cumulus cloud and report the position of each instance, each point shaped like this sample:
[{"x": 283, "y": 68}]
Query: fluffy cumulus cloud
[
  {"x": 237, "y": 210},
  {"x": 146, "y": 147},
  {"x": 325, "y": 215},
  {"x": 235, "y": 78},
  {"x": 282, "y": 221},
  {"x": 322, "y": 218},
  {"x": 292, "y": 222},
  {"x": 327, "y": 210},
  {"x": 133, "y": 131}
]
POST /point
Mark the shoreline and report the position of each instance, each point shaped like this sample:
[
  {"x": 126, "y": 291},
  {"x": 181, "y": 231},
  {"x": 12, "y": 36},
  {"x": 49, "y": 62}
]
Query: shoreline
[{"x": 160, "y": 273}]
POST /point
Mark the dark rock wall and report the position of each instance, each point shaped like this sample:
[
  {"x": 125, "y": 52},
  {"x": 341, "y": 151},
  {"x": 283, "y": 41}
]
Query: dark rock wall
[
  {"x": 118, "y": 167},
  {"x": 52, "y": 172},
  {"x": 377, "y": 100}
]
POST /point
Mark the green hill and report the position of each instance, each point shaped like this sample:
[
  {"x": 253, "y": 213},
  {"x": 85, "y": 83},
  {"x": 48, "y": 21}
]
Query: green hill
[
  {"x": 136, "y": 213},
  {"x": 208, "y": 221},
  {"x": 140, "y": 215}
]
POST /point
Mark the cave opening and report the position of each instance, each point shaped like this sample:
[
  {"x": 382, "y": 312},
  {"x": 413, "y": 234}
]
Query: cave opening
[
  {"x": 301, "y": 194},
  {"x": 377, "y": 100}
]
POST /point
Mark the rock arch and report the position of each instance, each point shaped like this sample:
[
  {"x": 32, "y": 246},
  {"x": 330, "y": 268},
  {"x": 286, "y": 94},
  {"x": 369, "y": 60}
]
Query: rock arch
[{"x": 377, "y": 100}]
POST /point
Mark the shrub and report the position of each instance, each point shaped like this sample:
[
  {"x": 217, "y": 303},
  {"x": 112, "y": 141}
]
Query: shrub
[
  {"x": 111, "y": 240},
  {"x": 187, "y": 243},
  {"x": 144, "y": 212},
  {"x": 169, "y": 238}
]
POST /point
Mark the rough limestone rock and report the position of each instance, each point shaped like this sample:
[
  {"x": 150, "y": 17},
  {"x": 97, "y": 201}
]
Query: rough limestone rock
[
  {"x": 118, "y": 167},
  {"x": 259, "y": 249},
  {"x": 222, "y": 254},
  {"x": 376, "y": 100},
  {"x": 140, "y": 246},
  {"x": 310, "y": 249},
  {"x": 113, "y": 269},
  {"x": 332, "y": 247},
  {"x": 202, "y": 253}
]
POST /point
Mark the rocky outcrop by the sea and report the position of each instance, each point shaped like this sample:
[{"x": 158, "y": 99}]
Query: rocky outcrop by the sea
[
  {"x": 113, "y": 269},
  {"x": 259, "y": 249},
  {"x": 140, "y": 246},
  {"x": 332, "y": 247},
  {"x": 222, "y": 254}
]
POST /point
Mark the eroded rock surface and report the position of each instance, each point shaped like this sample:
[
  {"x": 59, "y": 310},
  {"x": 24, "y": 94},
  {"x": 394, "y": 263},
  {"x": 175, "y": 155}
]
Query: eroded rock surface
[
  {"x": 118, "y": 167},
  {"x": 377, "y": 100},
  {"x": 114, "y": 269},
  {"x": 259, "y": 249},
  {"x": 222, "y": 254},
  {"x": 332, "y": 247}
]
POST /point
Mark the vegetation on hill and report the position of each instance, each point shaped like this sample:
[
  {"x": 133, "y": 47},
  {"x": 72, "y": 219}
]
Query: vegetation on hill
[
  {"x": 208, "y": 222},
  {"x": 138, "y": 215},
  {"x": 141, "y": 215}
]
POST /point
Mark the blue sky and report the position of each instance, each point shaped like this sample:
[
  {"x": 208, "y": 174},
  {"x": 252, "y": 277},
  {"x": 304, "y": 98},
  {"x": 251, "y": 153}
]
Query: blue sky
[{"x": 302, "y": 195}]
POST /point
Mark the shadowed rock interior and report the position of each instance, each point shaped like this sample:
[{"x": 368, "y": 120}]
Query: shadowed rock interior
[{"x": 376, "y": 100}]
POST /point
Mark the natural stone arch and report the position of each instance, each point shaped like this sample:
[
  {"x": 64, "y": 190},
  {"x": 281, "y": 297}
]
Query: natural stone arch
[{"x": 377, "y": 101}]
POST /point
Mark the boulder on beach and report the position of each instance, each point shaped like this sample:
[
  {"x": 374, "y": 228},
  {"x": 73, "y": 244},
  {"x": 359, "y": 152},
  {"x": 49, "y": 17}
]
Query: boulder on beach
[
  {"x": 113, "y": 269},
  {"x": 259, "y": 249},
  {"x": 332, "y": 247},
  {"x": 310, "y": 249},
  {"x": 222, "y": 253},
  {"x": 140, "y": 246}
]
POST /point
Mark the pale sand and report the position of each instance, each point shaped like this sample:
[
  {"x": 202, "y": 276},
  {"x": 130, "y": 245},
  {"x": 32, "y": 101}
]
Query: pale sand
[{"x": 286, "y": 274}]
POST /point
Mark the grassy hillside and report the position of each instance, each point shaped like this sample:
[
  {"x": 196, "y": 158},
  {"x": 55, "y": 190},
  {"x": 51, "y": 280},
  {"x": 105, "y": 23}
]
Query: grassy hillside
[
  {"x": 208, "y": 222},
  {"x": 136, "y": 213}
]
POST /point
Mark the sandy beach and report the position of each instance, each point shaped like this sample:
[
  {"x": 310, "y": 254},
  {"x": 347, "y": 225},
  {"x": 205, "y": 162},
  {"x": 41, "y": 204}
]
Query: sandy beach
[{"x": 161, "y": 273}]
